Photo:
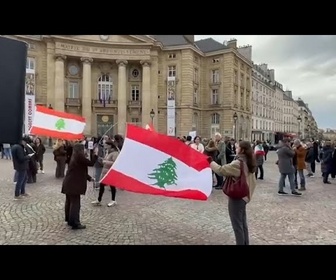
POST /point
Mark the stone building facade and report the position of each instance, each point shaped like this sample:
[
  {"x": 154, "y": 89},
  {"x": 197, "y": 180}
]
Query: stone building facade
[
  {"x": 263, "y": 103},
  {"x": 114, "y": 79},
  {"x": 290, "y": 114}
]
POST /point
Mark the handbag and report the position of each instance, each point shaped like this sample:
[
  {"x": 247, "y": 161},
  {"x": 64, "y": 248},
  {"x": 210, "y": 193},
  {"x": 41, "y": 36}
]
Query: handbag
[{"x": 237, "y": 188}]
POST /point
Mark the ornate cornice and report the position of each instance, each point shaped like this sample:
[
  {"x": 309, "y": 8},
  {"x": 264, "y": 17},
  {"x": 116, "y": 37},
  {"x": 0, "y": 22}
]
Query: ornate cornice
[
  {"x": 60, "y": 57},
  {"x": 87, "y": 60},
  {"x": 122, "y": 62}
]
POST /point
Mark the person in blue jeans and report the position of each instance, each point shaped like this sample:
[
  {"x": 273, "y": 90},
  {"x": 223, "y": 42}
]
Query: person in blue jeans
[{"x": 20, "y": 162}]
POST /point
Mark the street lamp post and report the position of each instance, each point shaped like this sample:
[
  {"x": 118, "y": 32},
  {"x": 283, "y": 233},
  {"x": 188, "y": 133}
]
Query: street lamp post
[
  {"x": 50, "y": 140},
  {"x": 299, "y": 122},
  {"x": 235, "y": 118},
  {"x": 152, "y": 115}
]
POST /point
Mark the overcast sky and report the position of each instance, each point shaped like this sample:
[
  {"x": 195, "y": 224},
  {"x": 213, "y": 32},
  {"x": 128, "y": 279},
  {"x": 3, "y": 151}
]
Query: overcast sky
[{"x": 304, "y": 64}]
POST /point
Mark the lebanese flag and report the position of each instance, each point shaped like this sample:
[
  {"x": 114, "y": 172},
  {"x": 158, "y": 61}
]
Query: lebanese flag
[
  {"x": 160, "y": 165},
  {"x": 259, "y": 150},
  {"x": 57, "y": 124},
  {"x": 149, "y": 127}
]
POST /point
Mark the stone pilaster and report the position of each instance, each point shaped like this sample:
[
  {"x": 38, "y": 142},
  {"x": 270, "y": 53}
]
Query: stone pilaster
[
  {"x": 50, "y": 73},
  {"x": 122, "y": 96},
  {"x": 146, "y": 93},
  {"x": 59, "y": 98},
  {"x": 86, "y": 95}
]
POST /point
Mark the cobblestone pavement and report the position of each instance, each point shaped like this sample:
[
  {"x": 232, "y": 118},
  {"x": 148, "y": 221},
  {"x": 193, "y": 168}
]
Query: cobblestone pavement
[{"x": 144, "y": 219}]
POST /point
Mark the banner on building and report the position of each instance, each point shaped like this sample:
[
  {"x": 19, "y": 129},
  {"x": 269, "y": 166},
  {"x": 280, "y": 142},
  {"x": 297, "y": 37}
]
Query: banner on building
[
  {"x": 29, "y": 101},
  {"x": 171, "y": 94}
]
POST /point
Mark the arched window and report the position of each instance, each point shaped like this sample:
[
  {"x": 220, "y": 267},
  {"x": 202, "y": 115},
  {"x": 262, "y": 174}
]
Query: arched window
[
  {"x": 105, "y": 88},
  {"x": 215, "y": 119}
]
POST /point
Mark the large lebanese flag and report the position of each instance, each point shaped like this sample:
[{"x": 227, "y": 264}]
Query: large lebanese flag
[
  {"x": 57, "y": 124},
  {"x": 153, "y": 163}
]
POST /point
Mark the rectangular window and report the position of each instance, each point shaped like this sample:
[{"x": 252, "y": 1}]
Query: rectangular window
[
  {"x": 172, "y": 55},
  {"x": 30, "y": 65},
  {"x": 135, "y": 93},
  {"x": 195, "y": 96},
  {"x": 195, "y": 75},
  {"x": 171, "y": 71},
  {"x": 214, "y": 97},
  {"x": 73, "y": 90},
  {"x": 135, "y": 121},
  {"x": 215, "y": 76}
]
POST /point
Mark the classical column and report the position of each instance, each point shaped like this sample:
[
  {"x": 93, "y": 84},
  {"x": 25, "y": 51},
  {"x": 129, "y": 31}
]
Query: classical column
[
  {"x": 146, "y": 98},
  {"x": 86, "y": 94},
  {"x": 122, "y": 97},
  {"x": 50, "y": 73},
  {"x": 59, "y": 82}
]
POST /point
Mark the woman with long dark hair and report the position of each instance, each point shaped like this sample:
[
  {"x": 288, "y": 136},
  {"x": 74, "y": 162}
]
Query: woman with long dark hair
[
  {"x": 75, "y": 184},
  {"x": 40, "y": 150},
  {"x": 60, "y": 158},
  {"x": 237, "y": 207},
  {"x": 109, "y": 159}
]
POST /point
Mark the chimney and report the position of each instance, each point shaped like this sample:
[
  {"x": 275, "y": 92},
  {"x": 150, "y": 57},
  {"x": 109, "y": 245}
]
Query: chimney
[
  {"x": 232, "y": 43},
  {"x": 246, "y": 51}
]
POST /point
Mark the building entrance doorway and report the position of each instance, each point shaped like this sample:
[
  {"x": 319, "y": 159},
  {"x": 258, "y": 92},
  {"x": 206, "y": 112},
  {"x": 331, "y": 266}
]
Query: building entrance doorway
[{"x": 104, "y": 123}]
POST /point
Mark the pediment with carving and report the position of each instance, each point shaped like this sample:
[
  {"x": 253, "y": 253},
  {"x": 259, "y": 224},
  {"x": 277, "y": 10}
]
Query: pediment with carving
[{"x": 113, "y": 39}]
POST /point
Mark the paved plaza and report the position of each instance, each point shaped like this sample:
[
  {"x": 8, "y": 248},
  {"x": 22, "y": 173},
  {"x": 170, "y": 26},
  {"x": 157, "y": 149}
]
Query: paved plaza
[{"x": 145, "y": 219}]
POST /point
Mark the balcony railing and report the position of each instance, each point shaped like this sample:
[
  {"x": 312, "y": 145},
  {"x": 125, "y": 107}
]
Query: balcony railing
[
  {"x": 104, "y": 103},
  {"x": 73, "y": 102}
]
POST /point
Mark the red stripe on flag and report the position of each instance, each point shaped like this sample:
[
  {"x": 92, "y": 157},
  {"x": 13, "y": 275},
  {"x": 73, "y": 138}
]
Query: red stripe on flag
[
  {"x": 59, "y": 114},
  {"x": 55, "y": 134},
  {"x": 121, "y": 181},
  {"x": 168, "y": 145}
]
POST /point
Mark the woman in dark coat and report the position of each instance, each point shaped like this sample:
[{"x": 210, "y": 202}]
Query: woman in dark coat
[
  {"x": 68, "y": 150},
  {"x": 40, "y": 150},
  {"x": 60, "y": 158},
  {"x": 75, "y": 184}
]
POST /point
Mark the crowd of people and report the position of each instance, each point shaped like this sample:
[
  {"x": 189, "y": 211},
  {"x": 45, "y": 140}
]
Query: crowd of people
[{"x": 224, "y": 155}]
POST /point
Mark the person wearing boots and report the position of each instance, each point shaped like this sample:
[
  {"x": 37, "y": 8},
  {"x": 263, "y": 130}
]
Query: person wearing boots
[{"x": 111, "y": 156}]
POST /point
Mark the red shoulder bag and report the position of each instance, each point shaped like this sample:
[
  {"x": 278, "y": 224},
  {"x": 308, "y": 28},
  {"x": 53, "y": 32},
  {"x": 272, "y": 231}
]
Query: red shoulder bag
[{"x": 237, "y": 188}]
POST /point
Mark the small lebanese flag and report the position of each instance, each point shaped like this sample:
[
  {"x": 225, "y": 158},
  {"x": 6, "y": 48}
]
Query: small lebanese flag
[
  {"x": 259, "y": 150},
  {"x": 57, "y": 124},
  {"x": 149, "y": 127},
  {"x": 171, "y": 168}
]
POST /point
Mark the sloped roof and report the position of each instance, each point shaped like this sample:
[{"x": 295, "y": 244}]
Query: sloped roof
[
  {"x": 286, "y": 97},
  {"x": 210, "y": 45},
  {"x": 171, "y": 40}
]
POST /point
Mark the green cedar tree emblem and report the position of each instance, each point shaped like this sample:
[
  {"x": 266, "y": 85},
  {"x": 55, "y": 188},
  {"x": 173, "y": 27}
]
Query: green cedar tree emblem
[
  {"x": 60, "y": 124},
  {"x": 164, "y": 174}
]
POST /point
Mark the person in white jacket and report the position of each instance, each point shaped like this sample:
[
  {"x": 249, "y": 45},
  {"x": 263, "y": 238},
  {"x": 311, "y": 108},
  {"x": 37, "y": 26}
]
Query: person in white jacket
[{"x": 197, "y": 145}]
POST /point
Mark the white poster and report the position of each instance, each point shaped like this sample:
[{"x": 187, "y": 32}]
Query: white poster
[
  {"x": 29, "y": 112},
  {"x": 171, "y": 94},
  {"x": 29, "y": 100},
  {"x": 193, "y": 134}
]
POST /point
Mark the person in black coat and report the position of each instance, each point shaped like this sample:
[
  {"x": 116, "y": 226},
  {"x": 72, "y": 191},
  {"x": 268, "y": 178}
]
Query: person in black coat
[
  {"x": 119, "y": 140},
  {"x": 75, "y": 184},
  {"x": 327, "y": 161},
  {"x": 20, "y": 161},
  {"x": 333, "y": 170},
  {"x": 32, "y": 163}
]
